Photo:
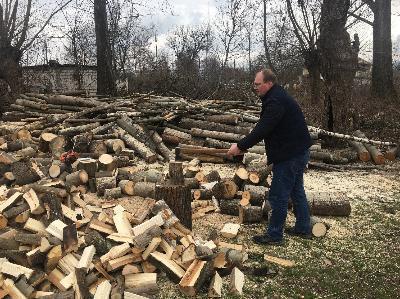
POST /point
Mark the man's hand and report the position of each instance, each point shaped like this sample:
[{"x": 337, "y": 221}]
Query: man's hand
[{"x": 234, "y": 151}]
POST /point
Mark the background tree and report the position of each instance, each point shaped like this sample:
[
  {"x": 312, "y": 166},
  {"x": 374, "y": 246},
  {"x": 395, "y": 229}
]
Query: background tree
[
  {"x": 105, "y": 74},
  {"x": 18, "y": 31}
]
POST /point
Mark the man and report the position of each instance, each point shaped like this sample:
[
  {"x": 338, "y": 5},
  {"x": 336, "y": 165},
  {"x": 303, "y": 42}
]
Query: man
[{"x": 287, "y": 141}]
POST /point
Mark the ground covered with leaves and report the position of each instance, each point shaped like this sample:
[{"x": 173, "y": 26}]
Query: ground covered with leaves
[{"x": 358, "y": 258}]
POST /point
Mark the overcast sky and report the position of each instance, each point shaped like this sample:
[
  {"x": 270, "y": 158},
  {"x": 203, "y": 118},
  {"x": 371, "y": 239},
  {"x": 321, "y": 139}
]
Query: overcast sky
[{"x": 185, "y": 12}]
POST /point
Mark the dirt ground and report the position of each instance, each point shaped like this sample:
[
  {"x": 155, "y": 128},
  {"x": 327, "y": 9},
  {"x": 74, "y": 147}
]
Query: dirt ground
[{"x": 358, "y": 258}]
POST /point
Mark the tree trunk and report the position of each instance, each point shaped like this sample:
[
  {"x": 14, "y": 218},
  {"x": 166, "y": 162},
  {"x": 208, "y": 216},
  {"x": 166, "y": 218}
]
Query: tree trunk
[
  {"x": 105, "y": 76},
  {"x": 338, "y": 64},
  {"x": 382, "y": 69},
  {"x": 10, "y": 72}
]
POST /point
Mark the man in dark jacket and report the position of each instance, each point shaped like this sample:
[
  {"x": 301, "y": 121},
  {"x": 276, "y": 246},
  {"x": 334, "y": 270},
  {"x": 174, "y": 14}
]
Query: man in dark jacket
[{"x": 283, "y": 128}]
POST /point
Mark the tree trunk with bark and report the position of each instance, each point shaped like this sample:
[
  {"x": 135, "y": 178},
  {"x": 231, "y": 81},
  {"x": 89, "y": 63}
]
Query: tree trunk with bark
[
  {"x": 382, "y": 68},
  {"x": 338, "y": 64},
  {"x": 105, "y": 76}
]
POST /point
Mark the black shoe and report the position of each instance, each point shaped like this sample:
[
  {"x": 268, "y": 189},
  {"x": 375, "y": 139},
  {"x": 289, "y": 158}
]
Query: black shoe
[
  {"x": 292, "y": 232},
  {"x": 266, "y": 240}
]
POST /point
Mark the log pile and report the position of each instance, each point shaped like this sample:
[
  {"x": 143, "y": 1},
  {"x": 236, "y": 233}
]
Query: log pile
[{"x": 58, "y": 239}]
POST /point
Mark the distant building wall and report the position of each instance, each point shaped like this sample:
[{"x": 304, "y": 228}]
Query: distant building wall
[{"x": 60, "y": 78}]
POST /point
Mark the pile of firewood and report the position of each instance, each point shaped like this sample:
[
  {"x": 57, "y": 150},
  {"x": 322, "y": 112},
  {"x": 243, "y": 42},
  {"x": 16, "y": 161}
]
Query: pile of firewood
[{"x": 59, "y": 240}]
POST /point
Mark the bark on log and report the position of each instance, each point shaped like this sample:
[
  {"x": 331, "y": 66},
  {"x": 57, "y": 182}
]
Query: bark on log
[
  {"x": 240, "y": 177},
  {"x": 255, "y": 195},
  {"x": 329, "y": 204},
  {"x": 24, "y": 173},
  {"x": 82, "y": 142},
  {"x": 188, "y": 123},
  {"x": 114, "y": 145},
  {"x": 77, "y": 178},
  {"x": 250, "y": 214},
  {"x": 89, "y": 165},
  {"x": 57, "y": 146},
  {"x": 229, "y": 207},
  {"x": 162, "y": 148},
  {"x": 146, "y": 153},
  {"x": 112, "y": 193},
  {"x": 72, "y": 131},
  {"x": 175, "y": 137},
  {"x": 53, "y": 207},
  {"x": 144, "y": 189},
  {"x": 224, "y": 119},
  {"x": 105, "y": 183},
  {"x": 178, "y": 198},
  {"x": 98, "y": 148},
  {"x": 126, "y": 187},
  {"x": 216, "y": 135}
]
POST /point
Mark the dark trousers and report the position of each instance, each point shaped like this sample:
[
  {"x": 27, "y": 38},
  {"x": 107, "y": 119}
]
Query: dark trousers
[{"x": 288, "y": 182}]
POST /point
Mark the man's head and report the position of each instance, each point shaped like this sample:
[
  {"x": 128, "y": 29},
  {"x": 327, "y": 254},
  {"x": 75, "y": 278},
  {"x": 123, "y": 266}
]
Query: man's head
[{"x": 263, "y": 81}]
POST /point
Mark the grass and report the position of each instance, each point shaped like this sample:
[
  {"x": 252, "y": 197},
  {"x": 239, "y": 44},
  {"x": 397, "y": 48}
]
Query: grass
[{"x": 361, "y": 261}]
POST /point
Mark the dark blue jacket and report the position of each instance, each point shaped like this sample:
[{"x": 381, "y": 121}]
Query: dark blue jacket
[{"x": 281, "y": 125}]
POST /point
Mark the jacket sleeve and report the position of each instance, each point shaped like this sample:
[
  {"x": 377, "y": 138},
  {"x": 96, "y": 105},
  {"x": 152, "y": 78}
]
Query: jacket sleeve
[{"x": 271, "y": 116}]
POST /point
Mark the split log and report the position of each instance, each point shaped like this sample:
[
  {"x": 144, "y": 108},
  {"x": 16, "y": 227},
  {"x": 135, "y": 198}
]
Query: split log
[
  {"x": 171, "y": 268},
  {"x": 195, "y": 276},
  {"x": 215, "y": 289},
  {"x": 101, "y": 244},
  {"x": 141, "y": 283},
  {"x": 392, "y": 152},
  {"x": 250, "y": 214},
  {"x": 236, "y": 282},
  {"x": 142, "y": 240},
  {"x": 329, "y": 203}
]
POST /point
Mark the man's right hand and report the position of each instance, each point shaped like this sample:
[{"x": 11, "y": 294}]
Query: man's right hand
[{"x": 234, "y": 151}]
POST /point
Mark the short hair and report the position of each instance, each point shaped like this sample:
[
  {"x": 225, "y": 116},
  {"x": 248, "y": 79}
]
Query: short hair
[{"x": 268, "y": 75}]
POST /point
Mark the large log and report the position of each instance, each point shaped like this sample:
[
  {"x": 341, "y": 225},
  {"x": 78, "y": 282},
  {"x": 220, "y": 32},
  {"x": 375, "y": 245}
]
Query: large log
[
  {"x": 375, "y": 153},
  {"x": 24, "y": 173},
  {"x": 145, "y": 152},
  {"x": 162, "y": 148},
  {"x": 223, "y": 118},
  {"x": 255, "y": 195},
  {"x": 229, "y": 207},
  {"x": 189, "y": 123},
  {"x": 72, "y": 131},
  {"x": 216, "y": 135},
  {"x": 329, "y": 203},
  {"x": 362, "y": 151},
  {"x": 250, "y": 214}
]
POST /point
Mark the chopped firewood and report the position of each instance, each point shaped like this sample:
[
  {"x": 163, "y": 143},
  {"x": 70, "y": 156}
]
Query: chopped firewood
[
  {"x": 195, "y": 277},
  {"x": 142, "y": 282},
  {"x": 115, "y": 252},
  {"x": 53, "y": 257},
  {"x": 230, "y": 246},
  {"x": 131, "y": 269},
  {"x": 122, "y": 224},
  {"x": 141, "y": 228},
  {"x": 14, "y": 270},
  {"x": 151, "y": 247},
  {"x": 279, "y": 261},
  {"x": 12, "y": 290},
  {"x": 103, "y": 290},
  {"x": 35, "y": 226},
  {"x": 215, "y": 289},
  {"x": 173, "y": 271},
  {"x": 230, "y": 230},
  {"x": 33, "y": 202},
  {"x": 101, "y": 226},
  {"x": 122, "y": 261},
  {"x": 3, "y": 221},
  {"x": 236, "y": 281},
  {"x": 5, "y": 204},
  {"x": 148, "y": 267},
  {"x": 87, "y": 257},
  {"x": 56, "y": 228},
  {"x": 129, "y": 295}
]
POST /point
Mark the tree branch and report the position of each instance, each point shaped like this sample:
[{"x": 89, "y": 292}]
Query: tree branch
[
  {"x": 44, "y": 25},
  {"x": 361, "y": 19},
  {"x": 22, "y": 38}
]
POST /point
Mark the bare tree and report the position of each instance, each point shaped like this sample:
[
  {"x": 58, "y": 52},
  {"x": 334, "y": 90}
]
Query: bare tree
[
  {"x": 230, "y": 23},
  {"x": 16, "y": 36},
  {"x": 305, "y": 23}
]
